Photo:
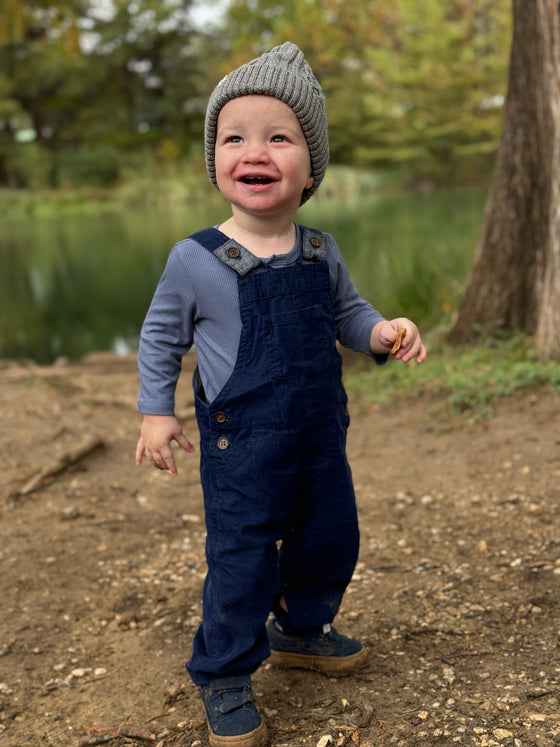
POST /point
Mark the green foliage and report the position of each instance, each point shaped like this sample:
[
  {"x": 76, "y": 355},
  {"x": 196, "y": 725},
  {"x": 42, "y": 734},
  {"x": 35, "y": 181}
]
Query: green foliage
[
  {"x": 407, "y": 83},
  {"x": 27, "y": 163},
  {"x": 90, "y": 84},
  {"x": 436, "y": 97},
  {"x": 471, "y": 379}
]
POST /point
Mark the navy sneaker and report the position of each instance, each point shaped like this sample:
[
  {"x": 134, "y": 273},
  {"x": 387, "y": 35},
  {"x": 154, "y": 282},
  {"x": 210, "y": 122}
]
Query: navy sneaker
[
  {"x": 322, "y": 649},
  {"x": 233, "y": 719}
]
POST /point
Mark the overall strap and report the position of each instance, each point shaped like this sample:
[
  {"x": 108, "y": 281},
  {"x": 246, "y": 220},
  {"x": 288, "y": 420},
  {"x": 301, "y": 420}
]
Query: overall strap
[
  {"x": 227, "y": 250},
  {"x": 242, "y": 261},
  {"x": 314, "y": 245}
]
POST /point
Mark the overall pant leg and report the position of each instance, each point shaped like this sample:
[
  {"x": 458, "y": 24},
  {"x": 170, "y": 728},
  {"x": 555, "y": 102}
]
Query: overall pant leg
[
  {"x": 318, "y": 557},
  {"x": 246, "y": 514}
]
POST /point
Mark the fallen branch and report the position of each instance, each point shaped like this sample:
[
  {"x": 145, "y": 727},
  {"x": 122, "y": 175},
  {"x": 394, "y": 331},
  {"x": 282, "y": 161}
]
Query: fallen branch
[
  {"x": 155, "y": 718},
  {"x": 61, "y": 463},
  {"x": 110, "y": 736}
]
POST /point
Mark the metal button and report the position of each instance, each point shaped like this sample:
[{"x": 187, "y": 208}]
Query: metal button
[
  {"x": 223, "y": 443},
  {"x": 233, "y": 252},
  {"x": 220, "y": 417},
  {"x": 314, "y": 241}
]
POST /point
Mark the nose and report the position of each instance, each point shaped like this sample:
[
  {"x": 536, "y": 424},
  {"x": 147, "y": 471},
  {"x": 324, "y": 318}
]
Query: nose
[{"x": 256, "y": 152}]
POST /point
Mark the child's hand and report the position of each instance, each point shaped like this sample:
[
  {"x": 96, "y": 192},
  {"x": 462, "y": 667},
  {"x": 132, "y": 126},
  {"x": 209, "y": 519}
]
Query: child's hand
[
  {"x": 384, "y": 334},
  {"x": 155, "y": 438}
]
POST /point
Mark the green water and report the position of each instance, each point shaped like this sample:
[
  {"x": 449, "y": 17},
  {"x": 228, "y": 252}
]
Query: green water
[{"x": 73, "y": 284}]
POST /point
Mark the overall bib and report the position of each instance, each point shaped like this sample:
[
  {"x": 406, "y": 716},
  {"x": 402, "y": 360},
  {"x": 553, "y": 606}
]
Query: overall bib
[{"x": 279, "y": 501}]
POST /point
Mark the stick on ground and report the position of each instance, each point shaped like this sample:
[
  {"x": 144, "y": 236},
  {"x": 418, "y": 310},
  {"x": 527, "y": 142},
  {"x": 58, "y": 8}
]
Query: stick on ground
[{"x": 62, "y": 462}]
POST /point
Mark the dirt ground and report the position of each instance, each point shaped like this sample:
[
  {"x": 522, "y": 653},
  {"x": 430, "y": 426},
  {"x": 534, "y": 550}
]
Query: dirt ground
[{"x": 456, "y": 594}]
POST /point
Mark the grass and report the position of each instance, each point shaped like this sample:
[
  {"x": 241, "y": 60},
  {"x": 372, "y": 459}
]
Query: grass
[
  {"x": 144, "y": 190},
  {"x": 149, "y": 188},
  {"x": 467, "y": 381}
]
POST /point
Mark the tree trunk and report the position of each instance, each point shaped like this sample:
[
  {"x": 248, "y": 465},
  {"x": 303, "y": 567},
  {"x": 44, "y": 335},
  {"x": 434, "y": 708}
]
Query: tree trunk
[
  {"x": 515, "y": 277},
  {"x": 547, "y": 338}
]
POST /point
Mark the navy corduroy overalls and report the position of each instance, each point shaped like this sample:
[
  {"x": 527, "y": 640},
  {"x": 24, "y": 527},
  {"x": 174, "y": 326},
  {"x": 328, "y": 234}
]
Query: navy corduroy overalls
[{"x": 279, "y": 501}]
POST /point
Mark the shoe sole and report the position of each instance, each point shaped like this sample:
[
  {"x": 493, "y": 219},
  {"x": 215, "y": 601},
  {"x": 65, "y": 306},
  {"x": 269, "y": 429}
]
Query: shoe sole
[
  {"x": 325, "y": 664},
  {"x": 255, "y": 738}
]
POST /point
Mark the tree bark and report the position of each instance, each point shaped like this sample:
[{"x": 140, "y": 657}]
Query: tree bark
[
  {"x": 515, "y": 277},
  {"x": 547, "y": 338}
]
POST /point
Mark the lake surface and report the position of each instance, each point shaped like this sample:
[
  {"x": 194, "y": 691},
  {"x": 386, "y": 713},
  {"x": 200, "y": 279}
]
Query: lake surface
[{"x": 73, "y": 284}]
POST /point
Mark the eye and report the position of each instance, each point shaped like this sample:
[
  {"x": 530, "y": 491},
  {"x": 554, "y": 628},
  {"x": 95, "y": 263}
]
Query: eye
[
  {"x": 225, "y": 139},
  {"x": 278, "y": 138}
]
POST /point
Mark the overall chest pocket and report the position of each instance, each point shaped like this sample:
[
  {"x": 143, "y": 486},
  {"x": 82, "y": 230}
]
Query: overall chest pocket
[{"x": 299, "y": 342}]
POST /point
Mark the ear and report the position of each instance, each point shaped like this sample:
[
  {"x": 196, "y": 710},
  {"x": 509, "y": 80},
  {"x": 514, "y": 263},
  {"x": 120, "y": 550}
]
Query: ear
[{"x": 309, "y": 182}]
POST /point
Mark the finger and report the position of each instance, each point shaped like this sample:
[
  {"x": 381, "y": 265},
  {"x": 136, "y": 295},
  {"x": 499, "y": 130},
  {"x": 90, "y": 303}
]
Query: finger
[
  {"x": 157, "y": 461},
  {"x": 421, "y": 355},
  {"x": 140, "y": 449},
  {"x": 169, "y": 462},
  {"x": 184, "y": 442},
  {"x": 165, "y": 460},
  {"x": 414, "y": 351}
]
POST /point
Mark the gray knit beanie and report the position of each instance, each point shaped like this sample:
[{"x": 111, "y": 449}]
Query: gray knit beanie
[{"x": 284, "y": 74}]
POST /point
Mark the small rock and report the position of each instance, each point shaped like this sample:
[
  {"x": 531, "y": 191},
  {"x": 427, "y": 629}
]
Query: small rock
[
  {"x": 448, "y": 676},
  {"x": 79, "y": 672},
  {"x": 70, "y": 512},
  {"x": 325, "y": 741},
  {"x": 502, "y": 733}
]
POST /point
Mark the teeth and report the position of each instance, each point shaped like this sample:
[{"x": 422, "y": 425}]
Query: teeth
[{"x": 257, "y": 179}]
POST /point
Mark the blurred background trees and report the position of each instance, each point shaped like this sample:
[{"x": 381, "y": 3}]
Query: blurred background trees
[
  {"x": 112, "y": 93},
  {"x": 91, "y": 91}
]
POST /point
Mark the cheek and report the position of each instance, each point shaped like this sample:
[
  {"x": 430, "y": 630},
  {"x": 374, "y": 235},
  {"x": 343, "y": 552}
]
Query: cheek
[
  {"x": 222, "y": 162},
  {"x": 223, "y": 174}
]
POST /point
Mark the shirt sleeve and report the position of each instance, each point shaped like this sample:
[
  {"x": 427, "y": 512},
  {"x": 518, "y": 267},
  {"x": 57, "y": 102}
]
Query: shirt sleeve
[
  {"x": 355, "y": 317},
  {"x": 167, "y": 334}
]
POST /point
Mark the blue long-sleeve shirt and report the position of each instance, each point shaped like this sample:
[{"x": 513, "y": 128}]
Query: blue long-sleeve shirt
[{"x": 196, "y": 302}]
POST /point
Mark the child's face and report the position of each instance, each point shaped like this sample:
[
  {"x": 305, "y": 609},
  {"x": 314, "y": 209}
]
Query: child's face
[{"x": 262, "y": 159}]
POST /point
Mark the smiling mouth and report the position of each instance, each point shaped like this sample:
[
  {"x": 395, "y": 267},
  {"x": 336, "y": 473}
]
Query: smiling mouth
[{"x": 257, "y": 180}]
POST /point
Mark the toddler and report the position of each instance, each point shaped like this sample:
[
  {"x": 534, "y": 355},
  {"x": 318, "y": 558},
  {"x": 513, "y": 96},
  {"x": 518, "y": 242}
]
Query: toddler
[{"x": 264, "y": 300}]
